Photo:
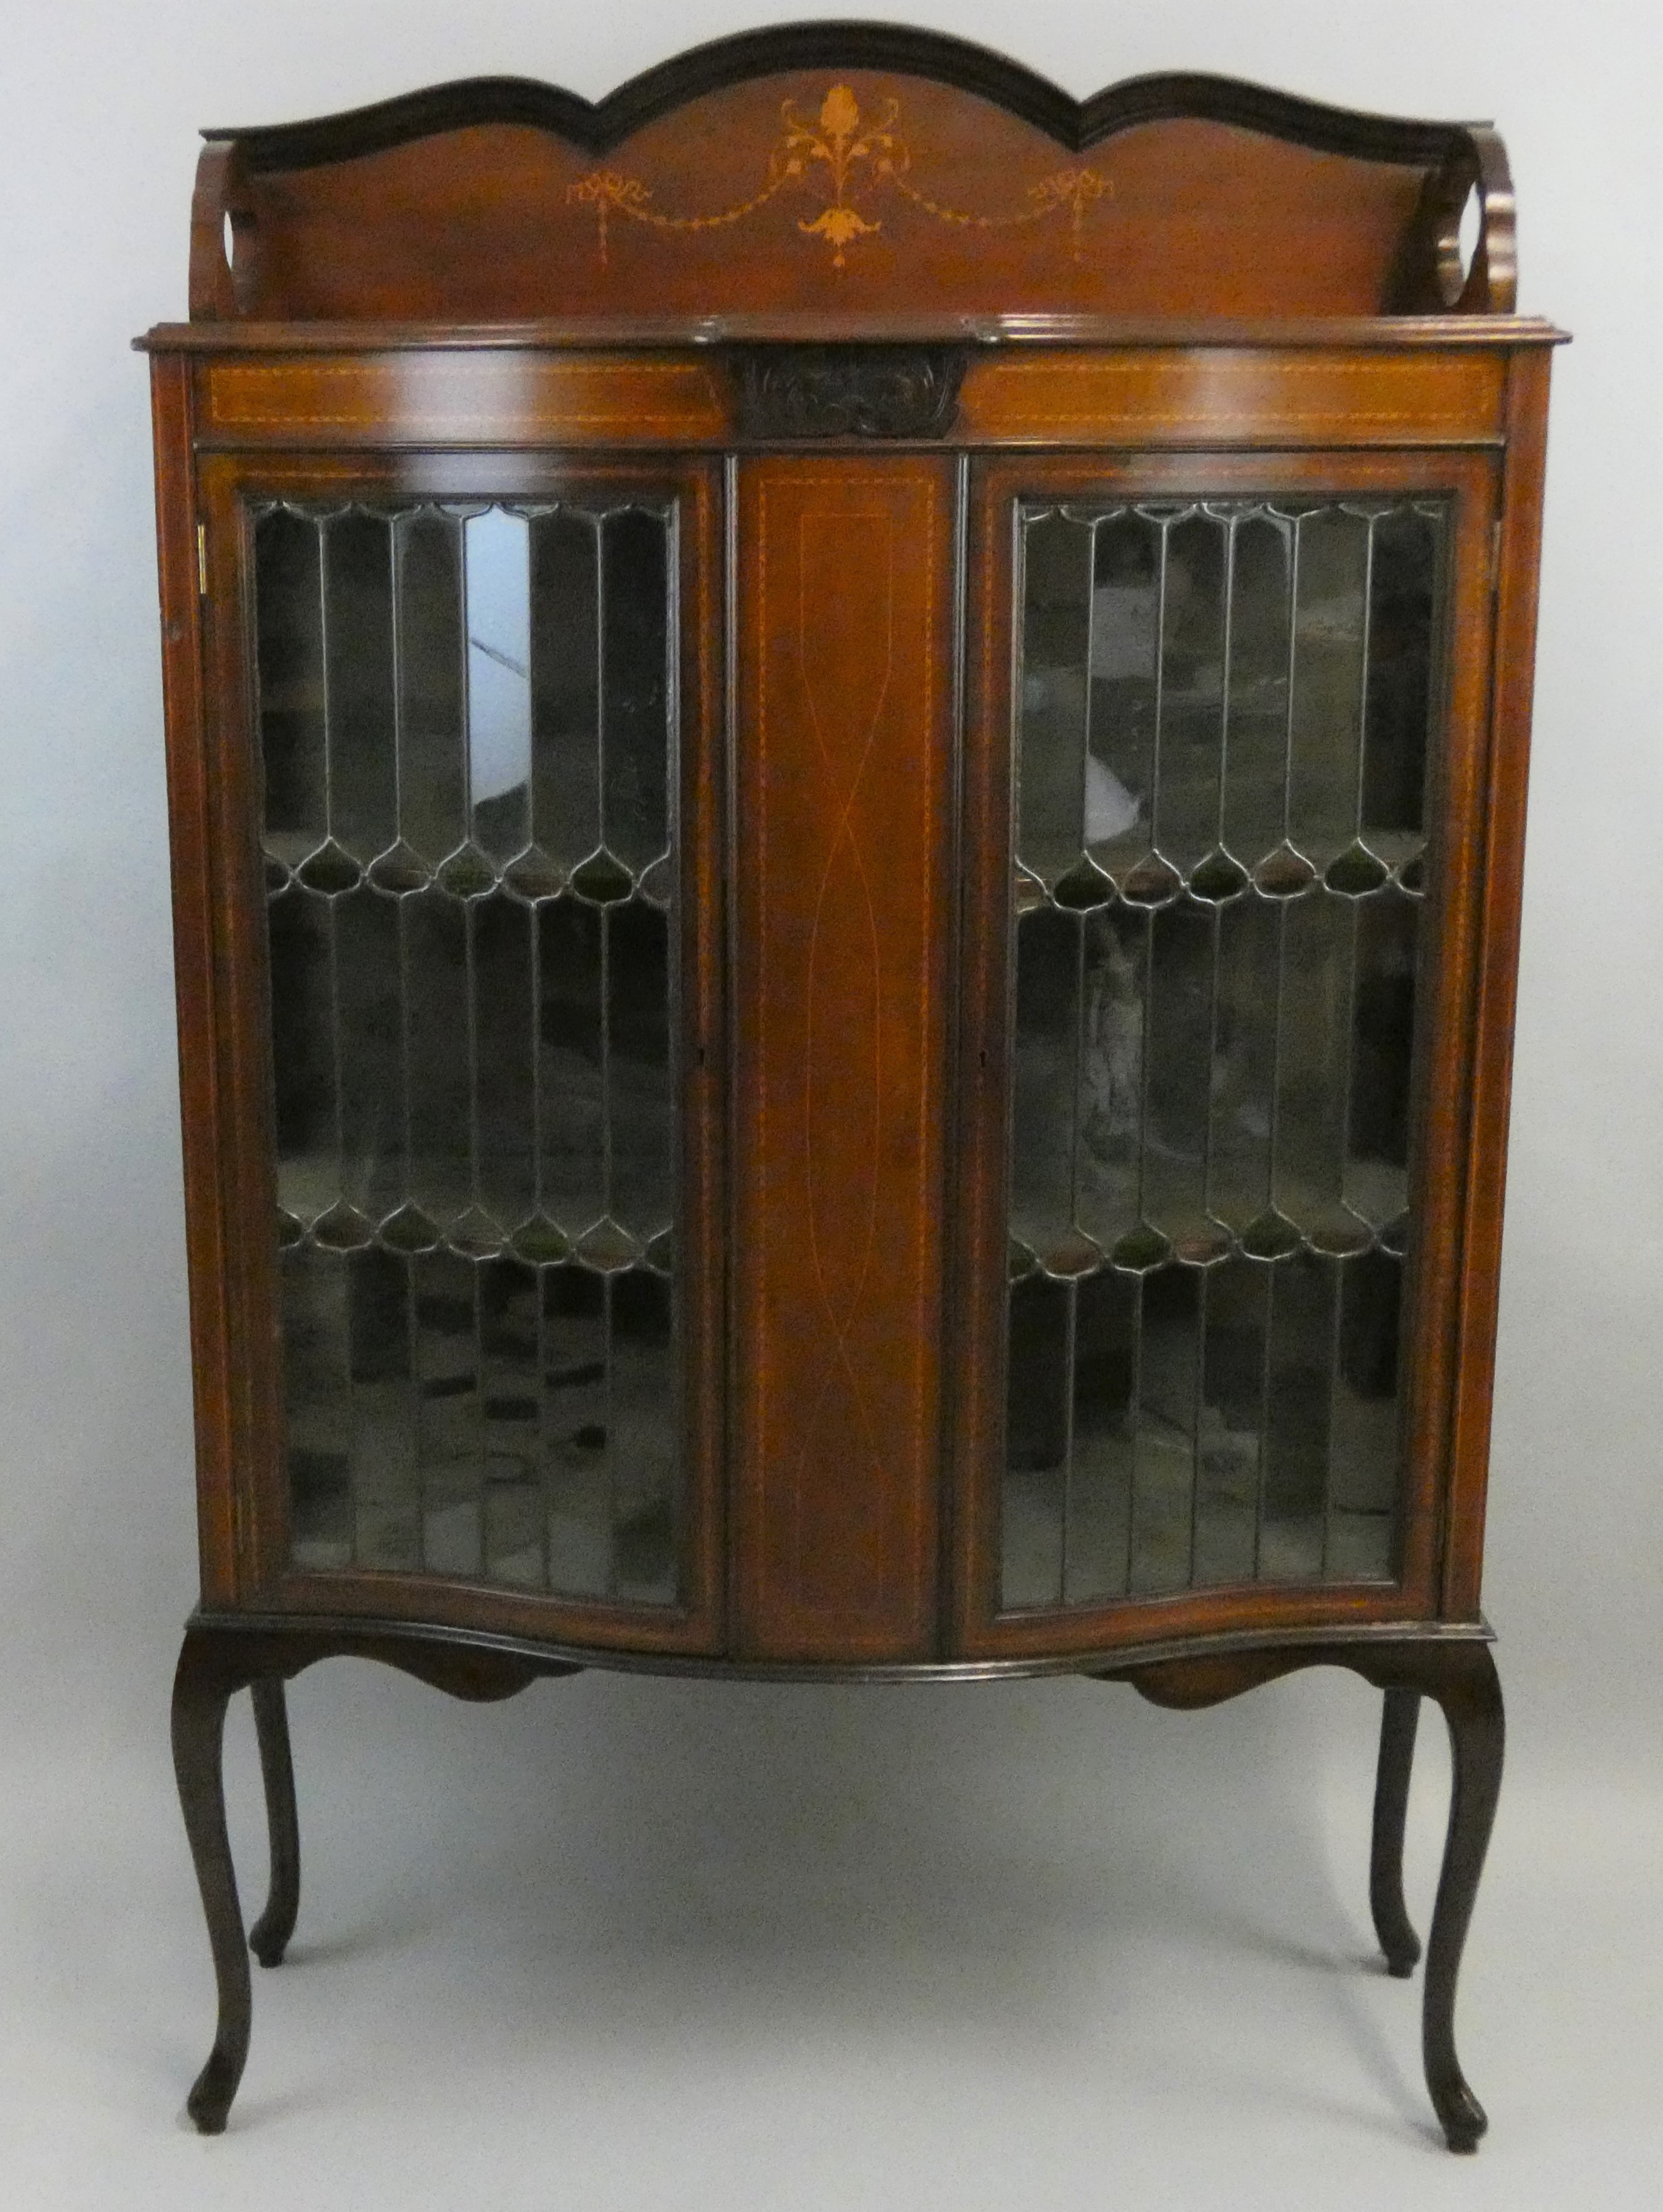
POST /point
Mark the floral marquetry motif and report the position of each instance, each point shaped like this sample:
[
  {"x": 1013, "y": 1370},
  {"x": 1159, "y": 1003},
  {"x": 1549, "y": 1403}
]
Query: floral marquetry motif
[{"x": 852, "y": 161}]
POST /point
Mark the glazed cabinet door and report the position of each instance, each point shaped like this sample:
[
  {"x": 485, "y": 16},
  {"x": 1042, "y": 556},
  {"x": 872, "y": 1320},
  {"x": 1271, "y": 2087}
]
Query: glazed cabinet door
[
  {"x": 1225, "y": 773},
  {"x": 472, "y": 1123}
]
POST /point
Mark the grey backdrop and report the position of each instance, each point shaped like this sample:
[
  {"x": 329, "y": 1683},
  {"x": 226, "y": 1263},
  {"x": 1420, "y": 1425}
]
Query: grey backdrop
[{"x": 627, "y": 1943}]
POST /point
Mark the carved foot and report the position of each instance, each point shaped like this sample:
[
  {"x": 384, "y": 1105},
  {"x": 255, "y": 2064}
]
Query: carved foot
[
  {"x": 202, "y": 1690},
  {"x": 268, "y": 1939},
  {"x": 1401, "y": 1945}
]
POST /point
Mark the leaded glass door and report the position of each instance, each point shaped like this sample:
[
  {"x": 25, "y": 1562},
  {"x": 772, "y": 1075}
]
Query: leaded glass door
[
  {"x": 481, "y": 788},
  {"x": 1224, "y": 727}
]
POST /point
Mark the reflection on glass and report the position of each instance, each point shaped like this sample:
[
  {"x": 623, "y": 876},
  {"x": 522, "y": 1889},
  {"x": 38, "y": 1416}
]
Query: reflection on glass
[
  {"x": 1223, "y": 715},
  {"x": 466, "y": 721},
  {"x": 498, "y": 598}
]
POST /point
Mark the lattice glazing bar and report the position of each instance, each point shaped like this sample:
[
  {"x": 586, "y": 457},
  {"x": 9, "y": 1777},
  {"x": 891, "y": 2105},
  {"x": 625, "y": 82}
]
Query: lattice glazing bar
[
  {"x": 466, "y": 717},
  {"x": 1223, "y": 714}
]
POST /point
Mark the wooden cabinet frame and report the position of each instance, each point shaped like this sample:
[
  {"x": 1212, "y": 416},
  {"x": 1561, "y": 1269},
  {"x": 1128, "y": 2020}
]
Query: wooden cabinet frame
[{"x": 784, "y": 284}]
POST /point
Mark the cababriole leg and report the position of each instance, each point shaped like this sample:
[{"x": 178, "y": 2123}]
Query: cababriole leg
[
  {"x": 269, "y": 1937},
  {"x": 202, "y": 1687},
  {"x": 1398, "y": 1940},
  {"x": 1468, "y": 1689}
]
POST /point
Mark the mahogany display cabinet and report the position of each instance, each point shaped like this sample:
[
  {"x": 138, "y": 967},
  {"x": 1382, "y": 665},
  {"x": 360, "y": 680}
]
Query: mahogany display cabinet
[{"x": 847, "y": 753}]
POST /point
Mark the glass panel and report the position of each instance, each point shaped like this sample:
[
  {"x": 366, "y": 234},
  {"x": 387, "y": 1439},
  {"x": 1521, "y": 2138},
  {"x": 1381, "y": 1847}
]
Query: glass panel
[
  {"x": 635, "y": 689},
  {"x": 641, "y": 1437},
  {"x": 1106, "y": 1342},
  {"x": 1232, "y": 1421},
  {"x": 510, "y": 1409},
  {"x": 1044, "y": 1078},
  {"x": 1179, "y": 995},
  {"x": 363, "y": 761},
  {"x": 436, "y": 1032},
  {"x": 1222, "y": 743},
  {"x": 1057, "y": 618},
  {"x": 565, "y": 672},
  {"x": 447, "y": 1376},
  {"x": 1383, "y": 1029},
  {"x": 319, "y": 1397},
  {"x": 1256, "y": 716},
  {"x": 576, "y": 1396},
  {"x": 1127, "y": 619},
  {"x": 432, "y": 760},
  {"x": 1329, "y": 648},
  {"x": 385, "y": 1490},
  {"x": 1037, "y": 1439},
  {"x": 466, "y": 717},
  {"x": 504, "y": 1070},
  {"x": 639, "y": 1113},
  {"x": 1168, "y": 1404},
  {"x": 1297, "y": 1417},
  {"x": 1113, "y": 992},
  {"x": 1192, "y": 703},
  {"x": 1365, "y": 1416},
  {"x": 499, "y": 584},
  {"x": 1400, "y": 675},
  {"x": 288, "y": 568},
  {"x": 373, "y": 1174},
  {"x": 1242, "y": 1102},
  {"x": 572, "y": 1112},
  {"x": 302, "y": 1051}
]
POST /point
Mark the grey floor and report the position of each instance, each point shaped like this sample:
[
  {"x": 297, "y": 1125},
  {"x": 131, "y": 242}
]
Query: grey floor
[{"x": 627, "y": 1943}]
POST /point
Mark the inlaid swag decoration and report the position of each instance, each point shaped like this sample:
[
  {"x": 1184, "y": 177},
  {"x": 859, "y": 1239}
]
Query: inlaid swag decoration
[{"x": 856, "y": 158}]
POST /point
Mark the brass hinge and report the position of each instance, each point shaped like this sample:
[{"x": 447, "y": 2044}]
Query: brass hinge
[{"x": 202, "y": 560}]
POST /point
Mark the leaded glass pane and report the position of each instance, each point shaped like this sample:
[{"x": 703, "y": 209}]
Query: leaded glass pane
[
  {"x": 467, "y": 722},
  {"x": 1224, "y": 710}
]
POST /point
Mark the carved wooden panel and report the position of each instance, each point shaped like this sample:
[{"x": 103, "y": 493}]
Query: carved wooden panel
[{"x": 844, "y": 789}]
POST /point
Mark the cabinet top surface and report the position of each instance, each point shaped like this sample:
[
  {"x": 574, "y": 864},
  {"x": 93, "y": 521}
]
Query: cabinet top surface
[
  {"x": 1359, "y": 333},
  {"x": 841, "y": 180}
]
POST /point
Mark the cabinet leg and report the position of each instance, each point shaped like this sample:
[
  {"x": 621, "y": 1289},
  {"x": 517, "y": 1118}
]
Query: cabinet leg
[
  {"x": 268, "y": 1939},
  {"x": 202, "y": 1691},
  {"x": 1398, "y": 1940},
  {"x": 1469, "y": 1693}
]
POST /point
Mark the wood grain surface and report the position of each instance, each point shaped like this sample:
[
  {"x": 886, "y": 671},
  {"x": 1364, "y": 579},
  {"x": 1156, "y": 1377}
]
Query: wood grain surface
[{"x": 843, "y": 784}]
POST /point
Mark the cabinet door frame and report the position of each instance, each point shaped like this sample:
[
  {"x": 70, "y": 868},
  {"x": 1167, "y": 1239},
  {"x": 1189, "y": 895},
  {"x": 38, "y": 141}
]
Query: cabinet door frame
[
  {"x": 229, "y": 1144},
  {"x": 1443, "y": 1290}
]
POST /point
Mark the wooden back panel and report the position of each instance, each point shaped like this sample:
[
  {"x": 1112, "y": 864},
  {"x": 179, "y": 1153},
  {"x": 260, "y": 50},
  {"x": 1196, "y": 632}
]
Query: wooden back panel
[{"x": 847, "y": 170}]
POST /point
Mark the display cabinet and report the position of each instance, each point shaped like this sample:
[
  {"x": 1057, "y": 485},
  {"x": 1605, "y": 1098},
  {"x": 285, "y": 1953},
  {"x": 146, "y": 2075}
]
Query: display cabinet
[{"x": 847, "y": 758}]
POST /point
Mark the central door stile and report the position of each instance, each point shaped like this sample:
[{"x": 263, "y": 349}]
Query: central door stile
[{"x": 843, "y": 896}]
